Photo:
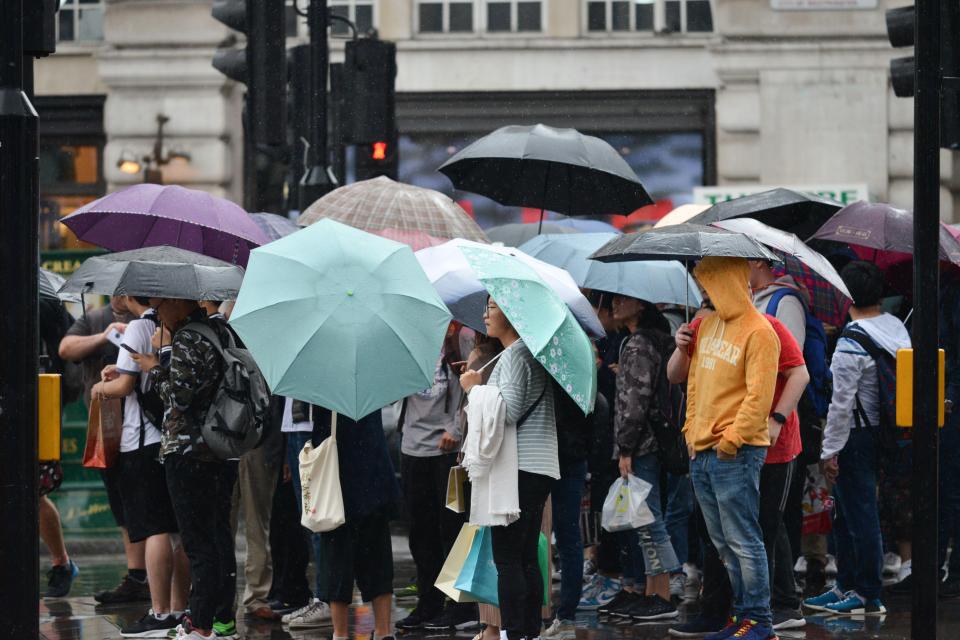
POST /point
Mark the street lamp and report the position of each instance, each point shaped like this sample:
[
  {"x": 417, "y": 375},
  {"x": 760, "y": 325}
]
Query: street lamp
[{"x": 151, "y": 164}]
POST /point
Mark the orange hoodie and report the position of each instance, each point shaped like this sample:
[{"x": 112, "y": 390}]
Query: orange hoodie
[{"x": 733, "y": 371}]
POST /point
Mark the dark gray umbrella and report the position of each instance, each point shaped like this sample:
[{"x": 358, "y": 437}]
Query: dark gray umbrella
[
  {"x": 682, "y": 242},
  {"x": 48, "y": 283},
  {"x": 515, "y": 234},
  {"x": 799, "y": 213},
  {"x": 157, "y": 272},
  {"x": 550, "y": 169}
]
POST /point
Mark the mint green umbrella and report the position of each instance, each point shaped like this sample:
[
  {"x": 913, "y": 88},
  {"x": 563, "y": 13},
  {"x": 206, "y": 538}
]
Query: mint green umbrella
[
  {"x": 542, "y": 320},
  {"x": 340, "y": 318}
]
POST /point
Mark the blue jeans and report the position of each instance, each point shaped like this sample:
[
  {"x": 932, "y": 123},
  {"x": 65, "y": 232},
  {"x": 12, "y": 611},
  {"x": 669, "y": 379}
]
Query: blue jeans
[
  {"x": 856, "y": 523},
  {"x": 567, "y": 496},
  {"x": 679, "y": 512},
  {"x": 654, "y": 541},
  {"x": 295, "y": 442},
  {"x": 729, "y": 495}
]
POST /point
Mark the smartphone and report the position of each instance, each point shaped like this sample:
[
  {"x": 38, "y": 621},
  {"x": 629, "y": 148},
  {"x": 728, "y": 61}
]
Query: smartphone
[
  {"x": 128, "y": 348},
  {"x": 115, "y": 337}
]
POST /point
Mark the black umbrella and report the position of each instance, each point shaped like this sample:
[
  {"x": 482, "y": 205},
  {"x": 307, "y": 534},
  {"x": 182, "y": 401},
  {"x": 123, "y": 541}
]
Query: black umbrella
[
  {"x": 48, "y": 283},
  {"x": 545, "y": 168},
  {"x": 799, "y": 213},
  {"x": 157, "y": 272}
]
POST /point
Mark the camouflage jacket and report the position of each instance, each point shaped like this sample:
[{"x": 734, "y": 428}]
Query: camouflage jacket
[
  {"x": 639, "y": 366},
  {"x": 187, "y": 388}
]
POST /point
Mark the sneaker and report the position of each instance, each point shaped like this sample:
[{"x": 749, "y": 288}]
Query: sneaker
[
  {"x": 820, "y": 602},
  {"x": 589, "y": 568},
  {"x": 60, "y": 579},
  {"x": 678, "y": 583},
  {"x": 282, "y": 608},
  {"x": 698, "y": 627},
  {"x": 831, "y": 568},
  {"x": 129, "y": 590},
  {"x": 560, "y": 630},
  {"x": 691, "y": 588},
  {"x": 454, "y": 618},
  {"x": 801, "y": 565},
  {"x": 891, "y": 563},
  {"x": 314, "y": 615},
  {"x": 752, "y": 630},
  {"x": 413, "y": 621},
  {"x": 225, "y": 630},
  {"x": 603, "y": 593},
  {"x": 853, "y": 605},
  {"x": 151, "y": 626},
  {"x": 409, "y": 591},
  {"x": 728, "y": 630},
  {"x": 652, "y": 608},
  {"x": 788, "y": 619},
  {"x": 619, "y": 602},
  {"x": 904, "y": 586},
  {"x": 287, "y": 617}
]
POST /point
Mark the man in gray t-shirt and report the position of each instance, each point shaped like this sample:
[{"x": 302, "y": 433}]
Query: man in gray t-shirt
[{"x": 430, "y": 439}]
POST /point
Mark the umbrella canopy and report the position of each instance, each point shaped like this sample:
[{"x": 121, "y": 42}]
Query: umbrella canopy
[
  {"x": 793, "y": 211},
  {"x": 585, "y": 225},
  {"x": 682, "y": 242},
  {"x": 150, "y": 215},
  {"x": 157, "y": 272},
  {"x": 466, "y": 297},
  {"x": 658, "y": 282},
  {"x": 542, "y": 167},
  {"x": 381, "y": 203},
  {"x": 274, "y": 226},
  {"x": 341, "y": 318},
  {"x": 49, "y": 283},
  {"x": 681, "y": 214},
  {"x": 884, "y": 228},
  {"x": 416, "y": 240},
  {"x": 515, "y": 234},
  {"x": 541, "y": 319}
]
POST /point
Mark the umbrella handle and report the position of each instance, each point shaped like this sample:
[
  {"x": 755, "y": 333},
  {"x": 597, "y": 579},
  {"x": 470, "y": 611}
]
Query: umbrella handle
[{"x": 686, "y": 295}]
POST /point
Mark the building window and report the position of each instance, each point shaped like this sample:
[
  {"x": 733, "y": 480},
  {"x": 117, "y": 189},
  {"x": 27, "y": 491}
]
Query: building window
[
  {"x": 359, "y": 12},
  {"x": 514, "y": 16},
  {"x": 445, "y": 16},
  {"x": 674, "y": 16},
  {"x": 80, "y": 21}
]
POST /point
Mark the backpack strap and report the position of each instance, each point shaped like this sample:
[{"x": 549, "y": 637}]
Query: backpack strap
[
  {"x": 208, "y": 332},
  {"x": 778, "y": 295},
  {"x": 868, "y": 345}
]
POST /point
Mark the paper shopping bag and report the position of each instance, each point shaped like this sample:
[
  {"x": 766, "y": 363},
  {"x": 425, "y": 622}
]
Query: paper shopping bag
[
  {"x": 454, "y": 563},
  {"x": 479, "y": 574},
  {"x": 104, "y": 428},
  {"x": 456, "y": 495}
]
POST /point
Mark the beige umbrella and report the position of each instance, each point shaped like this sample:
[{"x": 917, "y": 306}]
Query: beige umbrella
[
  {"x": 681, "y": 214},
  {"x": 382, "y": 205}
]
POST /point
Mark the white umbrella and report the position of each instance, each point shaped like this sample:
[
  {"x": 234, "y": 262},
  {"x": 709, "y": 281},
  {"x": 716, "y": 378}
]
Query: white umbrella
[
  {"x": 466, "y": 297},
  {"x": 789, "y": 244}
]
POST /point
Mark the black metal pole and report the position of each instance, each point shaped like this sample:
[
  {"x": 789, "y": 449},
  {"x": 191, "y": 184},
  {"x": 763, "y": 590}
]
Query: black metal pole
[
  {"x": 926, "y": 233},
  {"x": 318, "y": 179},
  {"x": 19, "y": 204}
]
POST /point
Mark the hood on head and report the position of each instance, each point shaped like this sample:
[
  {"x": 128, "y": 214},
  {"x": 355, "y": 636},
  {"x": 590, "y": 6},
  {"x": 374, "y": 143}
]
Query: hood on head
[{"x": 727, "y": 283}]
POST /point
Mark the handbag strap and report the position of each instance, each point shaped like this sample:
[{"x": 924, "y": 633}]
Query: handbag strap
[{"x": 333, "y": 425}]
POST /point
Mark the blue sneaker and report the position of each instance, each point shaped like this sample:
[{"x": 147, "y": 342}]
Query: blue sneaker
[
  {"x": 602, "y": 591},
  {"x": 853, "y": 605},
  {"x": 60, "y": 579},
  {"x": 727, "y": 632},
  {"x": 820, "y": 602}
]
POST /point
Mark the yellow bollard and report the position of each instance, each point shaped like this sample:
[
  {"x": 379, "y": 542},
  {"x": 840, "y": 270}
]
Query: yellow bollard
[
  {"x": 48, "y": 417},
  {"x": 905, "y": 388}
]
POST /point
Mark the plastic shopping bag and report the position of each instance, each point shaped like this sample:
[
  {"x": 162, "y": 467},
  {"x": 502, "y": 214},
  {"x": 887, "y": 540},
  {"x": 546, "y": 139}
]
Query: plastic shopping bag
[
  {"x": 817, "y": 503},
  {"x": 478, "y": 577},
  {"x": 626, "y": 505}
]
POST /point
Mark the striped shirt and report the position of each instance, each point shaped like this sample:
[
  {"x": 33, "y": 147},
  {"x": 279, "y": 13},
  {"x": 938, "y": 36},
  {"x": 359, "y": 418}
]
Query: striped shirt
[{"x": 521, "y": 379}]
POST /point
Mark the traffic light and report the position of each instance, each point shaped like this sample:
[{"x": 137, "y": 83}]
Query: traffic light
[
  {"x": 39, "y": 27},
  {"x": 378, "y": 158},
  {"x": 901, "y": 24},
  {"x": 370, "y": 70},
  {"x": 261, "y": 66}
]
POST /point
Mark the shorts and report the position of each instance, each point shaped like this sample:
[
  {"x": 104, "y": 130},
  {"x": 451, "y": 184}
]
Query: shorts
[
  {"x": 147, "y": 509},
  {"x": 358, "y": 550},
  {"x": 111, "y": 482},
  {"x": 51, "y": 476}
]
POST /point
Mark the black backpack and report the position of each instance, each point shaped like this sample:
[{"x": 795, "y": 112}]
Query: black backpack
[{"x": 151, "y": 404}]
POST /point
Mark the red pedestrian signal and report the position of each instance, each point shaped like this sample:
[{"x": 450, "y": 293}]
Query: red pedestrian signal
[{"x": 379, "y": 151}]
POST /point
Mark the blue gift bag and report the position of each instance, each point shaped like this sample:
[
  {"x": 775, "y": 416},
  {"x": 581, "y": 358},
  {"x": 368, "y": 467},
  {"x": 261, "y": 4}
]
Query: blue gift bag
[{"x": 478, "y": 577}]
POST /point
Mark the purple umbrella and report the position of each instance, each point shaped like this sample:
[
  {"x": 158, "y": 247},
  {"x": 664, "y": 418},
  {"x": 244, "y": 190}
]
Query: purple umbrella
[
  {"x": 150, "y": 215},
  {"x": 274, "y": 226}
]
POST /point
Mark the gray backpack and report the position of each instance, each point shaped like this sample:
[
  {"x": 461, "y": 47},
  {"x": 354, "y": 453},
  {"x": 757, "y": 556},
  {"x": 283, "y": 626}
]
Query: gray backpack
[{"x": 235, "y": 420}]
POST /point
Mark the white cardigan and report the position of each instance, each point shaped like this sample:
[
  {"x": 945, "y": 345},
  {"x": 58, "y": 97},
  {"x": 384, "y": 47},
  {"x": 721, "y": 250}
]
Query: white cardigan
[{"x": 490, "y": 459}]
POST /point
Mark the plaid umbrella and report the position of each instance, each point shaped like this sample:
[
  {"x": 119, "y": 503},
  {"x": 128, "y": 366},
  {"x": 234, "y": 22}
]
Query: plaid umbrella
[
  {"x": 826, "y": 301},
  {"x": 381, "y": 203}
]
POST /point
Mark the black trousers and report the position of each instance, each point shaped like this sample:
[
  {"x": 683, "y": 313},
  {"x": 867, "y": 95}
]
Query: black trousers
[
  {"x": 201, "y": 493},
  {"x": 519, "y": 583},
  {"x": 289, "y": 548},
  {"x": 433, "y": 527}
]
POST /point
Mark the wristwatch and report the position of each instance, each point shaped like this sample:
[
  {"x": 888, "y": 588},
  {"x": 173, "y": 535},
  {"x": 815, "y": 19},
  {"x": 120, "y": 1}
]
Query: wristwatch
[{"x": 779, "y": 417}]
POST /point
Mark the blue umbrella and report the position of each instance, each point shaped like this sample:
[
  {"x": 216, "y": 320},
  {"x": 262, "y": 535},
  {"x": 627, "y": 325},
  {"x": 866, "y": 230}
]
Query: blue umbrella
[{"x": 654, "y": 281}]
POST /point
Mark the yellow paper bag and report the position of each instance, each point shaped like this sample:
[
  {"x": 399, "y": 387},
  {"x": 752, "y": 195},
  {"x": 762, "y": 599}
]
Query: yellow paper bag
[
  {"x": 456, "y": 496},
  {"x": 454, "y": 564}
]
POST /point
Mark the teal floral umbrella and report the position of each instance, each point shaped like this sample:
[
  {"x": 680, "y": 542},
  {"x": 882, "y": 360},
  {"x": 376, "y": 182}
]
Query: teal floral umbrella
[{"x": 542, "y": 320}]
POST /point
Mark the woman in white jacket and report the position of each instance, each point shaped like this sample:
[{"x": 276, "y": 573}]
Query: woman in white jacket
[{"x": 527, "y": 394}]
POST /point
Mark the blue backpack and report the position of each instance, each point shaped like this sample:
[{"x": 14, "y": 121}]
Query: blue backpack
[{"x": 814, "y": 353}]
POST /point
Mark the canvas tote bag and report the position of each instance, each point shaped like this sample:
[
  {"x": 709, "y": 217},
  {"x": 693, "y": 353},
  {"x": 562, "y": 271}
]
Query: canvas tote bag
[{"x": 320, "y": 479}]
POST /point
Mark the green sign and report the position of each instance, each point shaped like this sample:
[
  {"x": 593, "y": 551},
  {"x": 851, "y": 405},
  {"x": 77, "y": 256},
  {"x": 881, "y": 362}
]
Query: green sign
[{"x": 66, "y": 261}]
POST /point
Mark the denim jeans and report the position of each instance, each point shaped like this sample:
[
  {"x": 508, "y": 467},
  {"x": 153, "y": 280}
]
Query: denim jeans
[
  {"x": 728, "y": 492},
  {"x": 856, "y": 524},
  {"x": 295, "y": 442},
  {"x": 658, "y": 554},
  {"x": 679, "y": 512},
  {"x": 567, "y": 496}
]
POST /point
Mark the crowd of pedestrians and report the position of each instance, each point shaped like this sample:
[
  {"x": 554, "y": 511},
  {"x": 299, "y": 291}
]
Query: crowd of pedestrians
[{"x": 717, "y": 415}]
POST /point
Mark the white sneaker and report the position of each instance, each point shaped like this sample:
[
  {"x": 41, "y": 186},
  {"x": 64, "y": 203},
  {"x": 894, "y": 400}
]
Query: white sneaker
[
  {"x": 906, "y": 568},
  {"x": 560, "y": 630},
  {"x": 801, "y": 565},
  {"x": 299, "y": 612},
  {"x": 589, "y": 568},
  {"x": 891, "y": 563},
  {"x": 677, "y": 583},
  {"x": 315, "y": 615},
  {"x": 831, "y": 569}
]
